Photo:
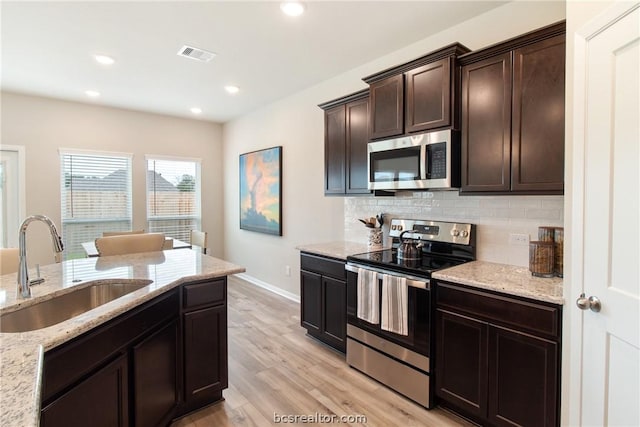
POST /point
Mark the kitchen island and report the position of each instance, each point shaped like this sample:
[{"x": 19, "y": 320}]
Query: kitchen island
[{"x": 22, "y": 353}]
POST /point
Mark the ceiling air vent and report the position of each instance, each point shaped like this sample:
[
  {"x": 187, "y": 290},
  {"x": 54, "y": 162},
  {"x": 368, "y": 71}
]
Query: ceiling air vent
[{"x": 195, "y": 53}]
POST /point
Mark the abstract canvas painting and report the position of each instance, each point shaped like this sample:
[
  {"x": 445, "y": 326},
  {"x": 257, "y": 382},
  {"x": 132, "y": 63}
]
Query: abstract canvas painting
[{"x": 261, "y": 191}]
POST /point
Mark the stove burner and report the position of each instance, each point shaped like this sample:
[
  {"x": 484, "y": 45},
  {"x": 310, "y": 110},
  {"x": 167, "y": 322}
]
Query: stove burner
[{"x": 389, "y": 259}]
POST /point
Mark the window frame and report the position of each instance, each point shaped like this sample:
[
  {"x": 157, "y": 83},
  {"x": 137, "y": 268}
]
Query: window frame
[{"x": 196, "y": 217}]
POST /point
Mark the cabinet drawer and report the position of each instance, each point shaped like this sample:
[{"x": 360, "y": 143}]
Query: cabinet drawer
[
  {"x": 325, "y": 266},
  {"x": 204, "y": 293},
  {"x": 531, "y": 316}
]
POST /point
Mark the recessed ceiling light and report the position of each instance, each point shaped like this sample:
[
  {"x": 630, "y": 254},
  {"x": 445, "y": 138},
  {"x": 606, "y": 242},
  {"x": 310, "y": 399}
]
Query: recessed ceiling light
[
  {"x": 292, "y": 8},
  {"x": 104, "y": 59},
  {"x": 92, "y": 93},
  {"x": 196, "y": 110},
  {"x": 232, "y": 89}
]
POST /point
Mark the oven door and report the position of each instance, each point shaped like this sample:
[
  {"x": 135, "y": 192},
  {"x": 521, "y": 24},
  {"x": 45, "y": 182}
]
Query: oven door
[{"x": 418, "y": 311}]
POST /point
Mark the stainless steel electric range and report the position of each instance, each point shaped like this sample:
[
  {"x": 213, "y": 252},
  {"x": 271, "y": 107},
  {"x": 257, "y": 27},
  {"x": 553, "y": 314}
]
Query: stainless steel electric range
[{"x": 402, "y": 361}]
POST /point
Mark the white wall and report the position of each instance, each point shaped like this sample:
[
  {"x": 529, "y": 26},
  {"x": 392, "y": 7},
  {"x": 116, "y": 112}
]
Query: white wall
[
  {"x": 43, "y": 125},
  {"x": 296, "y": 123}
]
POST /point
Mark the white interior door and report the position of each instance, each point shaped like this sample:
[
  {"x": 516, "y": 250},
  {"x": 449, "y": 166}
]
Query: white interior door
[
  {"x": 11, "y": 194},
  {"x": 608, "y": 182}
]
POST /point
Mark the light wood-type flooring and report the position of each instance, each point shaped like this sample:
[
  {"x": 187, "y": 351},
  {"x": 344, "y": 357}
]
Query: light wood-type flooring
[{"x": 275, "y": 369}]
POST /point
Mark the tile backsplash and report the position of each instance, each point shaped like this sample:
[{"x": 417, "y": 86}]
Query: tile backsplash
[{"x": 496, "y": 218}]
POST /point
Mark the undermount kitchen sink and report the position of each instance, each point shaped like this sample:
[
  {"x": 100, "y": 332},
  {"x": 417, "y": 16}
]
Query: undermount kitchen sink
[{"x": 66, "y": 306}]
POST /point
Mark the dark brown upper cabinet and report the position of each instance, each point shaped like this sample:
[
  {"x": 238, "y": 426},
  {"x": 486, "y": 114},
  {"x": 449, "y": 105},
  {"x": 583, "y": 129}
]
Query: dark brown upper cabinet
[
  {"x": 416, "y": 96},
  {"x": 429, "y": 96},
  {"x": 513, "y": 115},
  {"x": 346, "y": 134},
  {"x": 387, "y": 112}
]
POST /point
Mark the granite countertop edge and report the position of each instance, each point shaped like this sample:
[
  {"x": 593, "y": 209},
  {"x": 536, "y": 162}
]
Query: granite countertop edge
[
  {"x": 22, "y": 354},
  {"x": 506, "y": 279},
  {"x": 338, "y": 249}
]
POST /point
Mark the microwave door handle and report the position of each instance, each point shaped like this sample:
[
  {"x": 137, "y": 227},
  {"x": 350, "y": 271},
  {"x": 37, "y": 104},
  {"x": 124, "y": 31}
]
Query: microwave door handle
[{"x": 423, "y": 162}]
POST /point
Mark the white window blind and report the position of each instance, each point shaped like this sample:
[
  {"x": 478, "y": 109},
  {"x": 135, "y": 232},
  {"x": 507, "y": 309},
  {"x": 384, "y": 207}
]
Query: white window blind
[
  {"x": 95, "y": 197},
  {"x": 173, "y": 196}
]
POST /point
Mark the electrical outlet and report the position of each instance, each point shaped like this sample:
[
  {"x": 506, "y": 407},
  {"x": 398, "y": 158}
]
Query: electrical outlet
[
  {"x": 518, "y": 239},
  {"x": 287, "y": 270}
]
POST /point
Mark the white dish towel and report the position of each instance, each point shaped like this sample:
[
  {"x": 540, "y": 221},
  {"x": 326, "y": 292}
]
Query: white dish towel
[
  {"x": 368, "y": 296},
  {"x": 394, "y": 305}
]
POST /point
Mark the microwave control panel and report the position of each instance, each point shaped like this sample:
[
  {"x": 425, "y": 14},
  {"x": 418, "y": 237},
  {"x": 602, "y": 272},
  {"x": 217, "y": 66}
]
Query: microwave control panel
[{"x": 437, "y": 161}]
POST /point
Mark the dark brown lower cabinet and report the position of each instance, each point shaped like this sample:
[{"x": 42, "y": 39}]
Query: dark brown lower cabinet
[
  {"x": 523, "y": 379},
  {"x": 205, "y": 355},
  {"x": 144, "y": 368},
  {"x": 99, "y": 401},
  {"x": 323, "y": 294},
  {"x": 497, "y": 357},
  {"x": 155, "y": 377},
  {"x": 461, "y": 374},
  {"x": 311, "y": 301},
  {"x": 204, "y": 318}
]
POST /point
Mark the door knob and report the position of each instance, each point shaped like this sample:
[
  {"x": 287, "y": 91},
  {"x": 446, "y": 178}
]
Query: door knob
[{"x": 592, "y": 303}]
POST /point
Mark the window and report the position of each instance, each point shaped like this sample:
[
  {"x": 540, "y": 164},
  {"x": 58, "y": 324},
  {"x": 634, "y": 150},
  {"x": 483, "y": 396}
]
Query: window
[
  {"x": 173, "y": 196},
  {"x": 95, "y": 197}
]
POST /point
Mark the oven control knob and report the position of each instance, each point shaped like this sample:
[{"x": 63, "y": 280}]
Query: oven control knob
[
  {"x": 464, "y": 233},
  {"x": 393, "y": 227},
  {"x": 455, "y": 233},
  {"x": 399, "y": 228}
]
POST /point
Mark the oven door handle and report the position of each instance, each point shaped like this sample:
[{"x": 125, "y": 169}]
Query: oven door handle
[{"x": 415, "y": 282}]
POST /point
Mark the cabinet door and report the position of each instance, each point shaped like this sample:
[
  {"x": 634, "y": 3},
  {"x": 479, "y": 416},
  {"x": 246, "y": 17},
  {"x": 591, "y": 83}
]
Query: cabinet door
[
  {"x": 334, "y": 150},
  {"x": 205, "y": 354},
  {"x": 155, "y": 381},
  {"x": 99, "y": 401},
  {"x": 428, "y": 96},
  {"x": 387, "y": 107},
  {"x": 335, "y": 312},
  {"x": 538, "y": 116},
  {"x": 523, "y": 379},
  {"x": 357, "y": 138},
  {"x": 461, "y": 362},
  {"x": 311, "y": 301},
  {"x": 486, "y": 125}
]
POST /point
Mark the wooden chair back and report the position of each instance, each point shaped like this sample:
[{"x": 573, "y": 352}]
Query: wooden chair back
[
  {"x": 121, "y": 233},
  {"x": 130, "y": 244}
]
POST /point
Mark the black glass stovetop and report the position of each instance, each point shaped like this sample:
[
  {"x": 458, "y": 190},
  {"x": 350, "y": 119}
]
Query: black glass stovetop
[{"x": 387, "y": 259}]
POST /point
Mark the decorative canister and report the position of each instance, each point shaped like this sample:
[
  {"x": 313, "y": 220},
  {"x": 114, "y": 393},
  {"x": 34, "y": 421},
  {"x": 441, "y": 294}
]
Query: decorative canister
[
  {"x": 374, "y": 240},
  {"x": 546, "y": 234},
  {"x": 558, "y": 238},
  {"x": 541, "y": 258}
]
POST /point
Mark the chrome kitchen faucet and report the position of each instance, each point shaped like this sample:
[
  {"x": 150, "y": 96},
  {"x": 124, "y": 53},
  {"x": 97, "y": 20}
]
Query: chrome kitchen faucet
[{"x": 24, "y": 285}]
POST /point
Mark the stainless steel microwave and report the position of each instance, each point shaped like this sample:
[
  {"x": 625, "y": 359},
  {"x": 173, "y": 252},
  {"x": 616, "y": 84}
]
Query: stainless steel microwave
[{"x": 425, "y": 161}]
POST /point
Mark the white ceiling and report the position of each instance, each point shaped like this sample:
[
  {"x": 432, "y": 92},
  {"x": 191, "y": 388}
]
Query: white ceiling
[{"x": 47, "y": 48}]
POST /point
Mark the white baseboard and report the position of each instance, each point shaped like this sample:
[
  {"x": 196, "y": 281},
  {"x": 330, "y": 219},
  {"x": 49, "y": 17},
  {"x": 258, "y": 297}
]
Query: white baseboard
[{"x": 276, "y": 290}]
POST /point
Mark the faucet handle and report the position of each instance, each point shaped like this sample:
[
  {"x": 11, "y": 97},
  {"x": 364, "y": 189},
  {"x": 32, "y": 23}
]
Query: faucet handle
[{"x": 38, "y": 280}]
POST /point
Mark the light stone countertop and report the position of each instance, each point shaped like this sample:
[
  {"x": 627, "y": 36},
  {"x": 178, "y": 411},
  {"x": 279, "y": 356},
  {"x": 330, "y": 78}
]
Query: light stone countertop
[
  {"x": 21, "y": 354},
  {"x": 504, "y": 278},
  {"x": 340, "y": 250},
  {"x": 508, "y": 279}
]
